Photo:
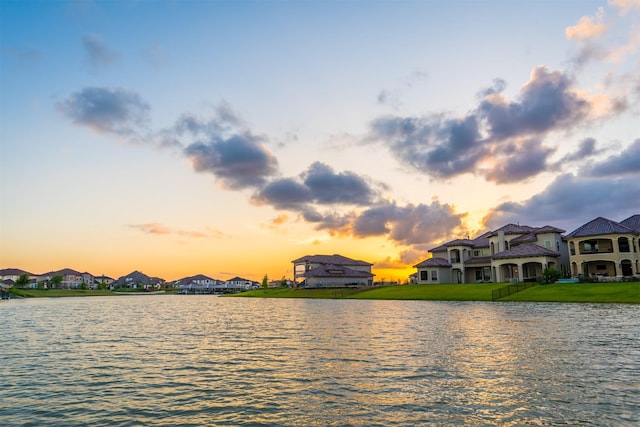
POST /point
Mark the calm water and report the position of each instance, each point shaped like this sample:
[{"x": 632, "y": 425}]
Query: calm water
[{"x": 209, "y": 361}]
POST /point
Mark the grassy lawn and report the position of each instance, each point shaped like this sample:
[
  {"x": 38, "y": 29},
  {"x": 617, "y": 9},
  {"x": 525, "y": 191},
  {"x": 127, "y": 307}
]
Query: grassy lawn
[
  {"x": 581, "y": 292},
  {"x": 565, "y": 292},
  {"x": 36, "y": 293}
]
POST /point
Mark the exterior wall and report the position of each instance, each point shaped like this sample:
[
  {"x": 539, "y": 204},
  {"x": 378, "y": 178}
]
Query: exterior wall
[
  {"x": 328, "y": 282},
  {"x": 607, "y": 259},
  {"x": 504, "y": 270},
  {"x": 425, "y": 275}
]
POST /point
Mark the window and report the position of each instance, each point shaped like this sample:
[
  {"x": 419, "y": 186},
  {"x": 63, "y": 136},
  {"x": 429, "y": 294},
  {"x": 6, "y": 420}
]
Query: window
[
  {"x": 424, "y": 276},
  {"x": 623, "y": 244},
  {"x": 572, "y": 247},
  {"x": 547, "y": 244},
  {"x": 434, "y": 274},
  {"x": 478, "y": 275}
]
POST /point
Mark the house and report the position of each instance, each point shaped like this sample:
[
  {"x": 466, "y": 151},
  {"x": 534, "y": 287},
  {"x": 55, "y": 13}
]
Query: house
[
  {"x": 313, "y": 271},
  {"x": 511, "y": 253},
  {"x": 605, "y": 248},
  {"x": 241, "y": 284},
  {"x": 198, "y": 284},
  {"x": 71, "y": 279},
  {"x": 137, "y": 280}
]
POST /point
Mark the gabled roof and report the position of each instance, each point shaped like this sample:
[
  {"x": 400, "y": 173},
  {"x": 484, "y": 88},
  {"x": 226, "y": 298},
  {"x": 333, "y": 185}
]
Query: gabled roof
[
  {"x": 433, "y": 262},
  {"x": 64, "y": 272},
  {"x": 334, "y": 259},
  {"x": 330, "y": 270},
  {"x": 525, "y": 250},
  {"x": 239, "y": 279},
  {"x": 633, "y": 222},
  {"x": 513, "y": 229},
  {"x": 602, "y": 225},
  {"x": 13, "y": 272},
  {"x": 479, "y": 242}
]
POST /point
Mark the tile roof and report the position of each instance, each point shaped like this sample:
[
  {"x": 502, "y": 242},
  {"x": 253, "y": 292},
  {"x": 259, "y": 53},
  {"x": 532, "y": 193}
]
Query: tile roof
[
  {"x": 330, "y": 270},
  {"x": 633, "y": 222},
  {"x": 334, "y": 259},
  {"x": 13, "y": 272},
  {"x": 525, "y": 238},
  {"x": 476, "y": 260},
  {"x": 525, "y": 250},
  {"x": 602, "y": 225},
  {"x": 513, "y": 229},
  {"x": 433, "y": 262}
]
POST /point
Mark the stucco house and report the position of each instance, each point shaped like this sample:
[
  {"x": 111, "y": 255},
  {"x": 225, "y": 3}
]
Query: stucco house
[
  {"x": 511, "y": 253},
  {"x": 604, "y": 248},
  {"x": 317, "y": 271}
]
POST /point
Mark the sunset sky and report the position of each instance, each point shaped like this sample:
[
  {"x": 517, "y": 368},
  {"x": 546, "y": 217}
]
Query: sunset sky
[{"x": 230, "y": 137}]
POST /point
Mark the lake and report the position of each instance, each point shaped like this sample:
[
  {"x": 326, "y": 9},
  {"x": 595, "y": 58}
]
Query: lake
[{"x": 177, "y": 360}]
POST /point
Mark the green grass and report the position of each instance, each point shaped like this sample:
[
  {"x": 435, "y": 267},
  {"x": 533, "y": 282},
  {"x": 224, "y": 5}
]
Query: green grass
[
  {"x": 566, "y": 292},
  {"x": 39, "y": 293},
  {"x": 581, "y": 292}
]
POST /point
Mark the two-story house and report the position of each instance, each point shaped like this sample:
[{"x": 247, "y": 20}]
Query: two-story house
[
  {"x": 605, "y": 248},
  {"x": 510, "y": 253},
  {"x": 314, "y": 271}
]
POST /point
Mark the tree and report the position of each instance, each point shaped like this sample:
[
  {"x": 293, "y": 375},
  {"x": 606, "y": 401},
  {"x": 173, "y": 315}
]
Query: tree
[
  {"x": 283, "y": 282},
  {"x": 23, "y": 281},
  {"x": 56, "y": 281},
  {"x": 550, "y": 275},
  {"x": 265, "y": 281}
]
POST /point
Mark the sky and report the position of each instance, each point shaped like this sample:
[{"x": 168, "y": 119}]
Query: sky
[{"x": 228, "y": 138}]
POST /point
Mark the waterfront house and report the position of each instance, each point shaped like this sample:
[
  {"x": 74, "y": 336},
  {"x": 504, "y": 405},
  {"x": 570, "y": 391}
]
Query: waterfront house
[
  {"x": 604, "y": 249},
  {"x": 313, "y": 271},
  {"x": 511, "y": 253},
  {"x": 71, "y": 279}
]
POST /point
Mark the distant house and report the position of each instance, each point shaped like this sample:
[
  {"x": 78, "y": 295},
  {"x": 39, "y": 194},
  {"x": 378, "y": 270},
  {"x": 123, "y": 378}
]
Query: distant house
[
  {"x": 314, "y": 271},
  {"x": 103, "y": 280},
  {"x": 71, "y": 279},
  {"x": 241, "y": 283},
  {"x": 605, "y": 248},
  {"x": 510, "y": 253},
  {"x": 198, "y": 284},
  {"x": 137, "y": 280}
]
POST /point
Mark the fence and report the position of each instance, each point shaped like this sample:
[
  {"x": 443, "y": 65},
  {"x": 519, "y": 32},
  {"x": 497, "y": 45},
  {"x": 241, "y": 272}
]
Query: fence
[{"x": 514, "y": 288}]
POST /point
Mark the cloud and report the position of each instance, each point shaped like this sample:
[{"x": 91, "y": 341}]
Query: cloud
[
  {"x": 151, "y": 228},
  {"x": 239, "y": 161},
  {"x": 507, "y": 135},
  {"x": 586, "y": 148},
  {"x": 624, "y": 6},
  {"x": 626, "y": 162},
  {"x": 98, "y": 52},
  {"x": 587, "y": 27},
  {"x": 546, "y": 102},
  {"x": 156, "y": 228},
  {"x": 116, "y": 111},
  {"x": 24, "y": 53},
  {"x": 518, "y": 161},
  {"x": 571, "y": 200}
]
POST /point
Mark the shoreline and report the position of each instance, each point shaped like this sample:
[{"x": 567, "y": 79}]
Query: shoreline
[{"x": 615, "y": 292}]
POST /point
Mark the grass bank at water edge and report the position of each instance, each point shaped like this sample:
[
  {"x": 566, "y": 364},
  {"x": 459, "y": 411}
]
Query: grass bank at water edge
[{"x": 558, "y": 292}]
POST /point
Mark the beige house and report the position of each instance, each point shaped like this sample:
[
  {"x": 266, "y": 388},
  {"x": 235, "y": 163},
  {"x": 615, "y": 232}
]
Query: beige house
[
  {"x": 316, "y": 271},
  {"x": 510, "y": 253},
  {"x": 603, "y": 248}
]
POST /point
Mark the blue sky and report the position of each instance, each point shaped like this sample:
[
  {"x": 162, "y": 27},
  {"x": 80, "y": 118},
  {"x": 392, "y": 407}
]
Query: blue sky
[{"x": 184, "y": 137}]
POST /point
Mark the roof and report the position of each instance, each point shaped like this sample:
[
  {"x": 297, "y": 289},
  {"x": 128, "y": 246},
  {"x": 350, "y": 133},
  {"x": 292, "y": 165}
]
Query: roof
[
  {"x": 479, "y": 242},
  {"x": 478, "y": 260},
  {"x": 334, "y": 259},
  {"x": 64, "y": 272},
  {"x": 330, "y": 270},
  {"x": 513, "y": 229},
  {"x": 525, "y": 250},
  {"x": 13, "y": 272},
  {"x": 633, "y": 222},
  {"x": 602, "y": 225},
  {"x": 239, "y": 279},
  {"x": 433, "y": 262}
]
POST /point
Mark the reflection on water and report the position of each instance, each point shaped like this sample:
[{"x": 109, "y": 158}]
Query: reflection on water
[{"x": 204, "y": 361}]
